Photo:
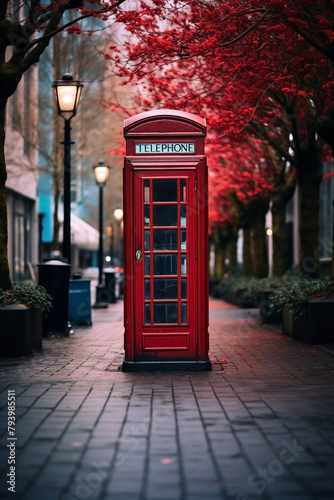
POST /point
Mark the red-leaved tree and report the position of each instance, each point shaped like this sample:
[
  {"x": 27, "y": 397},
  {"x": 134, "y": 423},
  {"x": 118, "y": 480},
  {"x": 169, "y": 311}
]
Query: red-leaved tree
[{"x": 251, "y": 68}]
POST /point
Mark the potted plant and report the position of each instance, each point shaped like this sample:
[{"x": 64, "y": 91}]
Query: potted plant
[
  {"x": 239, "y": 290},
  {"x": 308, "y": 309},
  {"x": 269, "y": 313},
  {"x": 21, "y": 310}
]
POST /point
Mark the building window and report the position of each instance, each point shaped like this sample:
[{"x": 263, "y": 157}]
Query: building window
[
  {"x": 22, "y": 250},
  {"x": 19, "y": 247}
]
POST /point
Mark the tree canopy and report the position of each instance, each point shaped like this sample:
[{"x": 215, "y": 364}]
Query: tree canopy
[
  {"x": 261, "y": 72},
  {"x": 26, "y": 28}
]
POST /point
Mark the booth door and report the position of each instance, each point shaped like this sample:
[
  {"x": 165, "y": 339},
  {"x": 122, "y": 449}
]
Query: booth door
[{"x": 165, "y": 264}]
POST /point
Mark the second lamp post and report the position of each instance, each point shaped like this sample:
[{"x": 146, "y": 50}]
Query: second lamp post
[{"x": 101, "y": 172}]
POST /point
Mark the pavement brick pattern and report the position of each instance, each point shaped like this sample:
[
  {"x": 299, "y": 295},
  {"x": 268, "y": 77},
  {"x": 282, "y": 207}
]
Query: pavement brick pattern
[{"x": 260, "y": 425}]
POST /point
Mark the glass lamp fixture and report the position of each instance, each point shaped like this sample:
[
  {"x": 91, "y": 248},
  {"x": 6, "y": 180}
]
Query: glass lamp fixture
[
  {"x": 118, "y": 213},
  {"x": 67, "y": 92},
  {"x": 101, "y": 172}
]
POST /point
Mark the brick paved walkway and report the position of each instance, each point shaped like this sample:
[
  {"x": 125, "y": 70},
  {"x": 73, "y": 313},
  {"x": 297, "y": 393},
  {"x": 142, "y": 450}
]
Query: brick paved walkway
[{"x": 260, "y": 425}]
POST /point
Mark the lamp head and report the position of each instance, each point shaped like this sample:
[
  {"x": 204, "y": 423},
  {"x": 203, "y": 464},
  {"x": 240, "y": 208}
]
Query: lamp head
[
  {"x": 67, "y": 93},
  {"x": 118, "y": 213},
  {"x": 101, "y": 172}
]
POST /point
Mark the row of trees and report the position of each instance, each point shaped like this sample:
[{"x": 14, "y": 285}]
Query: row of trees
[{"x": 261, "y": 72}]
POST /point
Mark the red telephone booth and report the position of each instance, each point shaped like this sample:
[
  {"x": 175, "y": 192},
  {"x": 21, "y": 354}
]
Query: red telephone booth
[{"x": 165, "y": 242}]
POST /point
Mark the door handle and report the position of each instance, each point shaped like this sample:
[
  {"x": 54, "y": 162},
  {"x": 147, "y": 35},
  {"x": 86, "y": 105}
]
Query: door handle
[{"x": 138, "y": 256}]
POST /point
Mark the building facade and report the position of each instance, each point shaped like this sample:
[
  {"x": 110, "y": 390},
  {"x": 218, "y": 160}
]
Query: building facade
[{"x": 22, "y": 176}]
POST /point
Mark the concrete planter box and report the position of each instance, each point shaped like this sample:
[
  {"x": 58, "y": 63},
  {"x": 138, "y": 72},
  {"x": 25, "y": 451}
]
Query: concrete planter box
[
  {"x": 21, "y": 330},
  {"x": 268, "y": 312},
  {"x": 231, "y": 298},
  {"x": 239, "y": 298},
  {"x": 213, "y": 284},
  {"x": 315, "y": 327}
]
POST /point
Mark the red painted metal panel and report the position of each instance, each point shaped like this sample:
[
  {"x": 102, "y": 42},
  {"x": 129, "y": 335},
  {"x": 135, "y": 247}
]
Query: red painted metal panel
[
  {"x": 164, "y": 127},
  {"x": 128, "y": 225},
  {"x": 166, "y": 311},
  {"x": 203, "y": 259},
  {"x": 147, "y": 277},
  {"x": 166, "y": 342},
  {"x": 164, "y": 120}
]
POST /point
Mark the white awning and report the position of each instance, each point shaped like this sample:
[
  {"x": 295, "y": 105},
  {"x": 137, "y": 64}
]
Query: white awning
[{"x": 82, "y": 234}]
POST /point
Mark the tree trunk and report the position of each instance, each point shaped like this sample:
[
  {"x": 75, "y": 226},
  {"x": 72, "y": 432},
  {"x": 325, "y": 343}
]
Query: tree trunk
[
  {"x": 278, "y": 211},
  {"x": 246, "y": 252},
  {"x": 219, "y": 267},
  {"x": 258, "y": 241},
  {"x": 282, "y": 195},
  {"x": 325, "y": 128},
  {"x": 309, "y": 224},
  {"x": 5, "y": 280},
  {"x": 232, "y": 252},
  {"x": 332, "y": 265},
  {"x": 219, "y": 261},
  {"x": 279, "y": 238},
  {"x": 326, "y": 131}
]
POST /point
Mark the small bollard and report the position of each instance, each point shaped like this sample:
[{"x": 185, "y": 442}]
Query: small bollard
[{"x": 110, "y": 282}]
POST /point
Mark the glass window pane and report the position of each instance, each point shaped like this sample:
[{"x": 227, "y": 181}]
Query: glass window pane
[
  {"x": 183, "y": 190},
  {"x": 165, "y": 313},
  {"x": 183, "y": 239},
  {"x": 165, "y": 190},
  {"x": 147, "y": 265},
  {"x": 147, "y": 314},
  {"x": 183, "y": 264},
  {"x": 183, "y": 288},
  {"x": 165, "y": 239},
  {"x": 146, "y": 215},
  {"x": 165, "y": 289},
  {"x": 147, "y": 240},
  {"x": 147, "y": 289},
  {"x": 183, "y": 213},
  {"x": 146, "y": 190},
  {"x": 164, "y": 264},
  {"x": 165, "y": 215},
  {"x": 184, "y": 313}
]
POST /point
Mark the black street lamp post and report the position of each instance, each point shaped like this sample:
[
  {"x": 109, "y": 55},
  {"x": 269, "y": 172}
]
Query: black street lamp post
[
  {"x": 101, "y": 172},
  {"x": 67, "y": 92}
]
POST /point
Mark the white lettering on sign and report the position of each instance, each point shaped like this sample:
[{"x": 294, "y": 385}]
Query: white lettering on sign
[{"x": 166, "y": 147}]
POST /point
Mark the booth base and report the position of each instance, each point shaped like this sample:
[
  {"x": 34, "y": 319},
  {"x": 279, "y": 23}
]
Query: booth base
[{"x": 158, "y": 366}]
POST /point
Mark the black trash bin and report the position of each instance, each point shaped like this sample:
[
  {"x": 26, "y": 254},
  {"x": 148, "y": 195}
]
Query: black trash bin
[
  {"x": 54, "y": 275},
  {"x": 110, "y": 282}
]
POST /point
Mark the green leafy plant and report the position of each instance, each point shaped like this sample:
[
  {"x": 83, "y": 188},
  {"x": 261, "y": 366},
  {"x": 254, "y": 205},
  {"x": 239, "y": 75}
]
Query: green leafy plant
[
  {"x": 294, "y": 294},
  {"x": 27, "y": 294},
  {"x": 290, "y": 291},
  {"x": 246, "y": 289}
]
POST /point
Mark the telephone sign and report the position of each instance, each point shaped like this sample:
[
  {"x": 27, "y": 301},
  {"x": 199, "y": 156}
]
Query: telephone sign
[
  {"x": 165, "y": 242},
  {"x": 166, "y": 147}
]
